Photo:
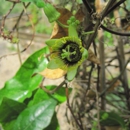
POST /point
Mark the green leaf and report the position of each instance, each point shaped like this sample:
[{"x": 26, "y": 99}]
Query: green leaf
[
  {"x": 22, "y": 84},
  {"x": 116, "y": 100},
  {"x": 39, "y": 96},
  {"x": 10, "y": 109},
  {"x": 9, "y": 125},
  {"x": 40, "y": 3},
  {"x": 36, "y": 117},
  {"x": 27, "y": 0},
  {"x": 54, "y": 124},
  {"x": 59, "y": 95},
  {"x": 112, "y": 119},
  {"x": 71, "y": 73}
]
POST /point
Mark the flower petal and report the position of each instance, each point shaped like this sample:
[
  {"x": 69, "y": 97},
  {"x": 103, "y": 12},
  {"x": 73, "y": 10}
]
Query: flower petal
[
  {"x": 71, "y": 73},
  {"x": 55, "y": 63}
]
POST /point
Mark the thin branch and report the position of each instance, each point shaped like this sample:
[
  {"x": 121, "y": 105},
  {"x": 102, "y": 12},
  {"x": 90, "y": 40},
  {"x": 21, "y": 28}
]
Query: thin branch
[
  {"x": 124, "y": 78},
  {"x": 90, "y": 74},
  {"x": 87, "y": 5},
  {"x": 114, "y": 32},
  {"x": 98, "y": 108},
  {"x": 114, "y": 6},
  {"x": 109, "y": 4},
  {"x": 68, "y": 104},
  {"x": 55, "y": 89},
  {"x": 93, "y": 35},
  {"x": 102, "y": 77},
  {"x": 114, "y": 81},
  {"x": 20, "y": 16},
  {"x": 105, "y": 90},
  {"x": 5, "y": 16},
  {"x": 15, "y": 26},
  {"x": 19, "y": 54}
]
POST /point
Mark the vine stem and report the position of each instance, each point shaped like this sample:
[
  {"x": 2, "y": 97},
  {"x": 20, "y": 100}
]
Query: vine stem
[
  {"x": 114, "y": 32},
  {"x": 68, "y": 104},
  {"x": 20, "y": 16},
  {"x": 19, "y": 54},
  {"x": 109, "y": 4},
  {"x": 62, "y": 25},
  {"x": 5, "y": 16},
  {"x": 98, "y": 108},
  {"x": 54, "y": 90},
  {"x": 114, "y": 81}
]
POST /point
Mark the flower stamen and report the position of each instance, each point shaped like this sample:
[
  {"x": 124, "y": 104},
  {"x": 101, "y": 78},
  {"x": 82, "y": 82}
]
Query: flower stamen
[{"x": 68, "y": 52}]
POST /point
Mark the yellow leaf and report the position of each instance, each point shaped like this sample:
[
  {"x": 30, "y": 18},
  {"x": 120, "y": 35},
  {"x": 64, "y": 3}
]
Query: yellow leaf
[{"x": 53, "y": 73}]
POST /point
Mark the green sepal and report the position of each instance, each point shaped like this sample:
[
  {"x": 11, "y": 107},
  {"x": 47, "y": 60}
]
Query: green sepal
[
  {"x": 85, "y": 54},
  {"x": 40, "y": 3},
  {"x": 51, "y": 13},
  {"x": 71, "y": 73},
  {"x": 55, "y": 63},
  {"x": 51, "y": 42}
]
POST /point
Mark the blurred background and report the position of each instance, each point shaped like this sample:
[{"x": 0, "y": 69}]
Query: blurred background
[{"x": 42, "y": 28}]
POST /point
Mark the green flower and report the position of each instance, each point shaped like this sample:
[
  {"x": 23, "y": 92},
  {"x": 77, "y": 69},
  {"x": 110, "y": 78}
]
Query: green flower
[{"x": 67, "y": 53}]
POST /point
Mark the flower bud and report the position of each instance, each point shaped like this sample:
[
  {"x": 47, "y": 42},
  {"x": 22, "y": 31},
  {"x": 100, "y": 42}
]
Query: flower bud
[
  {"x": 73, "y": 23},
  {"x": 51, "y": 13}
]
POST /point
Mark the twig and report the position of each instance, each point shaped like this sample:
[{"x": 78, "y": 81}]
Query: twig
[
  {"x": 5, "y": 16},
  {"x": 98, "y": 108},
  {"x": 114, "y": 32},
  {"x": 15, "y": 26},
  {"x": 20, "y": 16},
  {"x": 68, "y": 104},
  {"x": 98, "y": 23},
  {"x": 104, "y": 91},
  {"x": 19, "y": 53},
  {"x": 124, "y": 78},
  {"x": 109, "y": 4},
  {"x": 114, "y": 6},
  {"x": 94, "y": 46},
  {"x": 102, "y": 76},
  {"x": 79, "y": 117},
  {"x": 114, "y": 81},
  {"x": 33, "y": 28},
  {"x": 88, "y": 7},
  {"x": 8, "y": 55},
  {"x": 54, "y": 90}
]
